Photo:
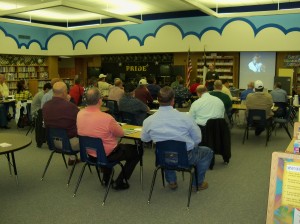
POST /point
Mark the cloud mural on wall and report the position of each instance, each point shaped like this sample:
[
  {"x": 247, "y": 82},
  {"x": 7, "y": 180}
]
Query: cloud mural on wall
[
  {"x": 8, "y": 45},
  {"x": 60, "y": 44},
  {"x": 237, "y": 34}
]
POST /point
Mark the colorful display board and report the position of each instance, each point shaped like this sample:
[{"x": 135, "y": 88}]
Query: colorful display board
[{"x": 284, "y": 190}]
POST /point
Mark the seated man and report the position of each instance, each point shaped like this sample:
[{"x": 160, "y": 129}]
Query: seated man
[
  {"x": 206, "y": 107},
  {"x": 279, "y": 97},
  {"x": 182, "y": 94},
  {"x": 48, "y": 96},
  {"x": 128, "y": 103},
  {"x": 217, "y": 92},
  {"x": 94, "y": 123},
  {"x": 117, "y": 91},
  {"x": 245, "y": 93},
  {"x": 142, "y": 93},
  {"x": 37, "y": 99},
  {"x": 170, "y": 124},
  {"x": 260, "y": 100},
  {"x": 59, "y": 112}
]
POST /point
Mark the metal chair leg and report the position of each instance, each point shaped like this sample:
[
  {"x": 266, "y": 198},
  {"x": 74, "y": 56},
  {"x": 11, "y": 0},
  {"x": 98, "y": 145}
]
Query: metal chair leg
[
  {"x": 108, "y": 186},
  {"x": 152, "y": 183},
  {"x": 64, "y": 158},
  {"x": 79, "y": 179},
  {"x": 98, "y": 173},
  {"x": 190, "y": 190},
  {"x": 72, "y": 171},
  {"x": 49, "y": 160}
]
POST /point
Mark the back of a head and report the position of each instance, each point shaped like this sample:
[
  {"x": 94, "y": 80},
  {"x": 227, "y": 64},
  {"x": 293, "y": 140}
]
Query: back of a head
[
  {"x": 93, "y": 96},
  {"x": 259, "y": 86},
  {"x": 150, "y": 79},
  {"x": 118, "y": 82},
  {"x": 201, "y": 89},
  {"x": 218, "y": 84},
  {"x": 47, "y": 86},
  {"x": 225, "y": 81},
  {"x": 77, "y": 81},
  {"x": 181, "y": 82},
  {"x": 251, "y": 85},
  {"x": 165, "y": 96},
  {"x": 278, "y": 85},
  {"x": 179, "y": 77},
  {"x": 59, "y": 89},
  {"x": 129, "y": 88},
  {"x": 21, "y": 85}
]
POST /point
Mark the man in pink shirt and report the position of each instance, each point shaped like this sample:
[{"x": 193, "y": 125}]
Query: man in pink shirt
[{"x": 94, "y": 123}]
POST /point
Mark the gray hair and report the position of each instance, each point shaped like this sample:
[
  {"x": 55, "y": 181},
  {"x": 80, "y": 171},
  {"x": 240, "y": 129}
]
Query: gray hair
[{"x": 93, "y": 96}]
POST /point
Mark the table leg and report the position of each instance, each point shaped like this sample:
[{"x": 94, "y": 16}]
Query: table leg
[
  {"x": 9, "y": 164},
  {"x": 140, "y": 149},
  {"x": 14, "y": 166}
]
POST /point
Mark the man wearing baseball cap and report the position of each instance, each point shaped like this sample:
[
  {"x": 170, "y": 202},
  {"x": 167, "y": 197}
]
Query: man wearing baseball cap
[
  {"x": 142, "y": 93},
  {"x": 103, "y": 85},
  {"x": 260, "y": 100}
]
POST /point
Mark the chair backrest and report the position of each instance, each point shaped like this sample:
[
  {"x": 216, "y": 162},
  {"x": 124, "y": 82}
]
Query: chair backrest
[
  {"x": 113, "y": 106},
  {"x": 89, "y": 144},
  {"x": 256, "y": 117},
  {"x": 172, "y": 154},
  {"x": 235, "y": 92},
  {"x": 58, "y": 140},
  {"x": 128, "y": 118},
  {"x": 282, "y": 109}
]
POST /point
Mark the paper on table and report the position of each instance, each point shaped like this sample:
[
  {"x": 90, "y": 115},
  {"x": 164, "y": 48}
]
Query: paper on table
[
  {"x": 138, "y": 129},
  {"x": 4, "y": 144}
]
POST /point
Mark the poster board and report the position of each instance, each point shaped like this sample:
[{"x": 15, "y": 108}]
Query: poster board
[{"x": 284, "y": 189}]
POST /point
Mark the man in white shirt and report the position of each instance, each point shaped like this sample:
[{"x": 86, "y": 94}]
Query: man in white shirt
[
  {"x": 103, "y": 85},
  {"x": 206, "y": 107}
]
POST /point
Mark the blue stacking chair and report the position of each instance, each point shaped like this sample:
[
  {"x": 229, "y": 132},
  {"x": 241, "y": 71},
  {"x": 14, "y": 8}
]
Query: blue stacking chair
[
  {"x": 284, "y": 121},
  {"x": 95, "y": 144},
  {"x": 60, "y": 135},
  {"x": 257, "y": 118},
  {"x": 172, "y": 155}
]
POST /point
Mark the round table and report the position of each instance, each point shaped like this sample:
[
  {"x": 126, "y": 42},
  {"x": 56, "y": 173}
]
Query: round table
[{"x": 16, "y": 142}]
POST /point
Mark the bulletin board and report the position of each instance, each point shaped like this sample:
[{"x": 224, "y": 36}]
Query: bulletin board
[{"x": 284, "y": 189}]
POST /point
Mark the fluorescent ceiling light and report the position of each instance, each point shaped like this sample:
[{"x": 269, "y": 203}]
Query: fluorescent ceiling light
[
  {"x": 209, "y": 11},
  {"x": 30, "y": 10}
]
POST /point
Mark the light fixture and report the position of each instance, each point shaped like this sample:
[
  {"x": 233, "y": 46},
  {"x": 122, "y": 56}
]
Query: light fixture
[
  {"x": 210, "y": 12},
  {"x": 125, "y": 19}
]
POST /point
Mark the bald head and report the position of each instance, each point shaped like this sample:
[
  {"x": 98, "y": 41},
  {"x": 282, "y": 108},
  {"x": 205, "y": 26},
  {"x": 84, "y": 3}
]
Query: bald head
[
  {"x": 251, "y": 85},
  {"x": 118, "y": 82},
  {"x": 60, "y": 90},
  {"x": 218, "y": 84},
  {"x": 201, "y": 89}
]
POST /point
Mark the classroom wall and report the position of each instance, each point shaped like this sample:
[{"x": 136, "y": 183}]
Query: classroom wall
[{"x": 260, "y": 33}]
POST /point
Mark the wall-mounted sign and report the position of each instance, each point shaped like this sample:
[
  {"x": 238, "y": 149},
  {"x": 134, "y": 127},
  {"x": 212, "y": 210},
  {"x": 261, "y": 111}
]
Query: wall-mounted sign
[
  {"x": 136, "y": 68},
  {"x": 291, "y": 61}
]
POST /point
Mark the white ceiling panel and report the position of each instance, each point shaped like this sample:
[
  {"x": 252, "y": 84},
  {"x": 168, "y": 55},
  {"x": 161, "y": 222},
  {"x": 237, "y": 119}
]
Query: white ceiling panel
[{"x": 61, "y": 13}]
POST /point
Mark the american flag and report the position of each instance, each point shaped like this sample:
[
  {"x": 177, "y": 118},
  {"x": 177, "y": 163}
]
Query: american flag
[
  {"x": 189, "y": 69},
  {"x": 205, "y": 67}
]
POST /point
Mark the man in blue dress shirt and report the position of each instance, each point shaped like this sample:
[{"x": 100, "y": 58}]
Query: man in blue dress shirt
[{"x": 170, "y": 124}]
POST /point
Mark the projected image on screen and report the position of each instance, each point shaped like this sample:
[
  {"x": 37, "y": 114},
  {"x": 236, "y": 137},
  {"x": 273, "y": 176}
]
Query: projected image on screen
[{"x": 257, "y": 65}]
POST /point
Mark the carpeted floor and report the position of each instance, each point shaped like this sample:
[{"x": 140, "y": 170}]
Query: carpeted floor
[{"x": 237, "y": 193}]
